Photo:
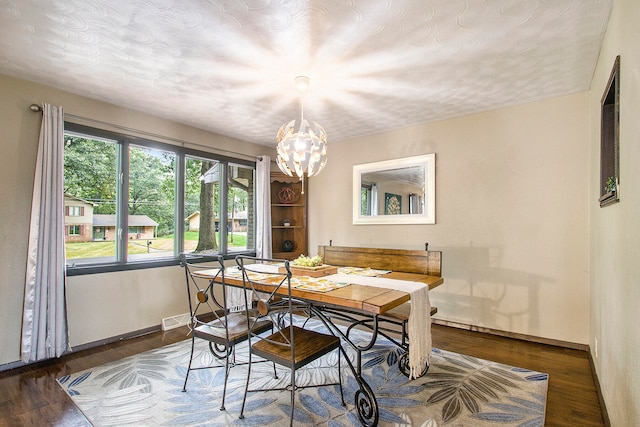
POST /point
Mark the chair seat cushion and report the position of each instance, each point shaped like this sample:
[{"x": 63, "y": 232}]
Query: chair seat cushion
[
  {"x": 236, "y": 324},
  {"x": 309, "y": 345}
]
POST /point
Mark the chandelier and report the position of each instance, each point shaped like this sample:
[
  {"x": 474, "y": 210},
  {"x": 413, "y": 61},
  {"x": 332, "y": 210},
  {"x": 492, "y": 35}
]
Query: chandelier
[{"x": 305, "y": 150}]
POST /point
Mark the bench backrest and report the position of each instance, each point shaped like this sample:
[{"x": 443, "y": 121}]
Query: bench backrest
[{"x": 404, "y": 260}]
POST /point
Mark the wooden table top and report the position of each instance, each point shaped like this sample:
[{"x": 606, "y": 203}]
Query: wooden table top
[
  {"x": 368, "y": 299},
  {"x": 432, "y": 281}
]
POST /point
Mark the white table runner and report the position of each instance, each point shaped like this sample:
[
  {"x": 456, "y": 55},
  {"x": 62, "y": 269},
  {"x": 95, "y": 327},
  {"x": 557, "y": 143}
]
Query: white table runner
[{"x": 419, "y": 316}]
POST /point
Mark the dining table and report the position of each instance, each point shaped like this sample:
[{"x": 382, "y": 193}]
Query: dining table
[{"x": 349, "y": 297}]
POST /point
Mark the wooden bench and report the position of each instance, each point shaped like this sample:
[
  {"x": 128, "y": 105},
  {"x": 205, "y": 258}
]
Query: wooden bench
[{"x": 399, "y": 261}]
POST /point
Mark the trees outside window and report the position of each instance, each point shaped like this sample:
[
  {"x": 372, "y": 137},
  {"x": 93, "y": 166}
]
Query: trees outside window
[{"x": 147, "y": 202}]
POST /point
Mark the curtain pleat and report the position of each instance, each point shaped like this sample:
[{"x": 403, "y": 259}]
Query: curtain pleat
[
  {"x": 44, "y": 323},
  {"x": 263, "y": 206}
]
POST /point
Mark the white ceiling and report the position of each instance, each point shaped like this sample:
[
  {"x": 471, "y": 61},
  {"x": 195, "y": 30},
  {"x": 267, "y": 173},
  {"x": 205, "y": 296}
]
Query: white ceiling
[{"x": 375, "y": 65}]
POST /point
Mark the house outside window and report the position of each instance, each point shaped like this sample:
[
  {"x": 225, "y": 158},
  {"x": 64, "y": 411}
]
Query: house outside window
[{"x": 168, "y": 200}]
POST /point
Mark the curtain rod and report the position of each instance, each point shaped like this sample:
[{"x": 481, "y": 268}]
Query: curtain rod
[{"x": 37, "y": 108}]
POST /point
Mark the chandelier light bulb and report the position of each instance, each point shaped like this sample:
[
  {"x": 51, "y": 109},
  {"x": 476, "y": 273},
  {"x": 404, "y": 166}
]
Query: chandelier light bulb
[{"x": 302, "y": 83}]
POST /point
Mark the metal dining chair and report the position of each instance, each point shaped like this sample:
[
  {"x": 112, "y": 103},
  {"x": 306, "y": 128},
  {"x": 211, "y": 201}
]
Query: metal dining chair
[
  {"x": 210, "y": 318},
  {"x": 289, "y": 345}
]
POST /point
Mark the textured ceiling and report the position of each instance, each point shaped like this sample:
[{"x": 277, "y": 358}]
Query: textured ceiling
[{"x": 375, "y": 65}]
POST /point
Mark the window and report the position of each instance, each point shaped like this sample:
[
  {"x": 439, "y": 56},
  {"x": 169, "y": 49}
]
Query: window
[
  {"x": 240, "y": 208},
  {"x": 609, "y": 140},
  {"x": 206, "y": 211},
  {"x": 75, "y": 211},
  {"x": 146, "y": 202},
  {"x": 151, "y": 209},
  {"x": 202, "y": 205},
  {"x": 365, "y": 199},
  {"x": 90, "y": 165}
]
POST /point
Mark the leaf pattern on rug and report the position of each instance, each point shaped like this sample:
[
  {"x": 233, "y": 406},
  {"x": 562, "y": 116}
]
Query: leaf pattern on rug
[
  {"x": 119, "y": 407},
  {"x": 391, "y": 388},
  {"x": 527, "y": 413},
  {"x": 138, "y": 370},
  {"x": 468, "y": 383},
  {"x": 146, "y": 390},
  {"x": 70, "y": 387}
]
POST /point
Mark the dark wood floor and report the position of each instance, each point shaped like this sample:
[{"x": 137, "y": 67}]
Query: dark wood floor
[{"x": 31, "y": 396}]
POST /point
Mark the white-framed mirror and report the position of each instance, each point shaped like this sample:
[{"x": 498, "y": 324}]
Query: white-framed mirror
[{"x": 399, "y": 191}]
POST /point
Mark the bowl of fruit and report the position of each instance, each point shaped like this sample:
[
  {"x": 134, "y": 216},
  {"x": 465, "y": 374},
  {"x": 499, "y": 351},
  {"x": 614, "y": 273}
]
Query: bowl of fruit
[{"x": 309, "y": 266}]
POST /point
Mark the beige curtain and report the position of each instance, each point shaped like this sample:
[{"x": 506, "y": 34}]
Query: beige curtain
[
  {"x": 235, "y": 296},
  {"x": 263, "y": 207},
  {"x": 44, "y": 322}
]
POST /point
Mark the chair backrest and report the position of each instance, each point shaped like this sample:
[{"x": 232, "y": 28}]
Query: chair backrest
[
  {"x": 269, "y": 281},
  {"x": 202, "y": 279}
]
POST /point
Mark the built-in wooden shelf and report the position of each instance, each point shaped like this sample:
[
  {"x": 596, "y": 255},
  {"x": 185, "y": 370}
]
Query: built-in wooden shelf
[{"x": 295, "y": 212}]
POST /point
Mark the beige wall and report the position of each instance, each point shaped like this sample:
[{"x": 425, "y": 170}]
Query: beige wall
[
  {"x": 100, "y": 306},
  {"x": 511, "y": 214},
  {"x": 615, "y": 230}
]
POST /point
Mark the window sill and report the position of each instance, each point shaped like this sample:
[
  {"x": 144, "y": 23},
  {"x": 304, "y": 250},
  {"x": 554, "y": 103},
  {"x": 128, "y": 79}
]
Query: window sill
[
  {"x": 80, "y": 270},
  {"x": 609, "y": 198}
]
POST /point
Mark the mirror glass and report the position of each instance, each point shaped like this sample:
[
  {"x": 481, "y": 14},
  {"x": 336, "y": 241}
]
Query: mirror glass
[{"x": 399, "y": 191}]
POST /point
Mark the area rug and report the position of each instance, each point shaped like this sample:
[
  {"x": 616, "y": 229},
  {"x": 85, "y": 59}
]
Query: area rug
[{"x": 458, "y": 390}]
